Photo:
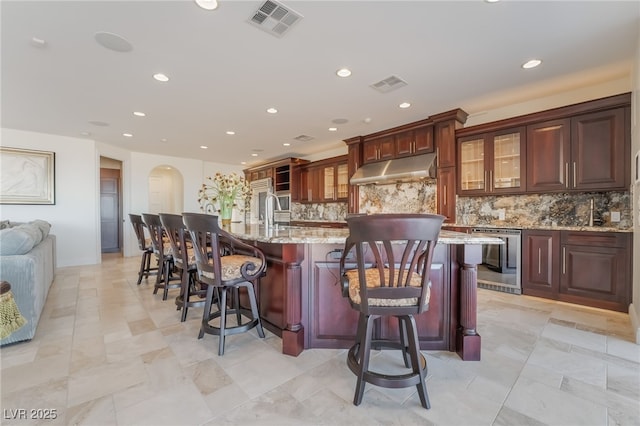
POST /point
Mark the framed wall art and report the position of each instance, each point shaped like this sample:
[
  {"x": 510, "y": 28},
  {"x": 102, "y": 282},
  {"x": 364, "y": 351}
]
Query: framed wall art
[{"x": 27, "y": 176}]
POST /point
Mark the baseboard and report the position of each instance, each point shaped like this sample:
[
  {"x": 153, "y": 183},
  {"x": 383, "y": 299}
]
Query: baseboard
[{"x": 635, "y": 322}]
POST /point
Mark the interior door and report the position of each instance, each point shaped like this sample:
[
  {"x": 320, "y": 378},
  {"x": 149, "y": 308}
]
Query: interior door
[{"x": 110, "y": 228}]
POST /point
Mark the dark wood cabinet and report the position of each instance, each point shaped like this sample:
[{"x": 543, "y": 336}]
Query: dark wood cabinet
[
  {"x": 324, "y": 181},
  {"x": 582, "y": 153},
  {"x": 540, "y": 263},
  {"x": 587, "y": 268},
  {"x": 334, "y": 321},
  {"x": 284, "y": 174},
  {"x": 354, "y": 159},
  {"x": 414, "y": 142},
  {"x": 378, "y": 149},
  {"x": 445, "y": 136},
  {"x": 446, "y": 187},
  {"x": 596, "y": 269},
  {"x": 598, "y": 146},
  {"x": 492, "y": 163},
  {"x": 548, "y": 154}
]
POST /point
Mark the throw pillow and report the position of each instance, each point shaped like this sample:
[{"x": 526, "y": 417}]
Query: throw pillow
[
  {"x": 5, "y": 224},
  {"x": 43, "y": 227},
  {"x": 32, "y": 230},
  {"x": 15, "y": 241}
]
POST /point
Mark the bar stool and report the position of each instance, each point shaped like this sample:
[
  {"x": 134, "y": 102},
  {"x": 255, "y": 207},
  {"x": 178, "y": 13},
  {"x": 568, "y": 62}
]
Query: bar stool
[
  {"x": 162, "y": 251},
  {"x": 184, "y": 260},
  {"x": 225, "y": 264},
  {"x": 144, "y": 245},
  {"x": 393, "y": 254}
]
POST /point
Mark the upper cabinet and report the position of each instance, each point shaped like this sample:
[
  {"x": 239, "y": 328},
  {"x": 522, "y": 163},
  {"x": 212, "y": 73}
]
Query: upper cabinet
[
  {"x": 580, "y": 147},
  {"x": 402, "y": 143},
  {"x": 283, "y": 174},
  {"x": 324, "y": 181},
  {"x": 492, "y": 163},
  {"x": 584, "y": 153}
]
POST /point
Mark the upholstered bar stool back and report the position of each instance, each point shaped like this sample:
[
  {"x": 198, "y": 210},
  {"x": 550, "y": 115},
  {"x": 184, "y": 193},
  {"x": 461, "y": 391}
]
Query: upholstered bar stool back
[
  {"x": 162, "y": 251},
  {"x": 191, "y": 294},
  {"x": 225, "y": 264},
  {"x": 144, "y": 245},
  {"x": 393, "y": 254}
]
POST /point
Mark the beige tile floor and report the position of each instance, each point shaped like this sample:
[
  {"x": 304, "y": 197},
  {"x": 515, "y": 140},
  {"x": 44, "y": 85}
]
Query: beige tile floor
[{"x": 108, "y": 352}]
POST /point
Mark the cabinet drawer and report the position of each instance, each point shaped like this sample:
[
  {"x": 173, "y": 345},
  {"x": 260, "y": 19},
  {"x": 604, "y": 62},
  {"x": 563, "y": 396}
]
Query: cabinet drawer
[{"x": 598, "y": 239}]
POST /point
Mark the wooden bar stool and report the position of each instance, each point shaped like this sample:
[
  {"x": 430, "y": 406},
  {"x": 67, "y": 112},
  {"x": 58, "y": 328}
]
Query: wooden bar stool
[
  {"x": 191, "y": 294},
  {"x": 145, "y": 246},
  {"x": 162, "y": 251},
  {"x": 225, "y": 264},
  {"x": 393, "y": 254}
]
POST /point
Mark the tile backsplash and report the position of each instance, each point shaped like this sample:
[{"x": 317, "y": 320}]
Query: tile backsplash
[{"x": 560, "y": 209}]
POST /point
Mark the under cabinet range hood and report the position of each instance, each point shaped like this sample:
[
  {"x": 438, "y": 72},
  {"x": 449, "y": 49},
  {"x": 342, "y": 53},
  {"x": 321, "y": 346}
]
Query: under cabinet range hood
[{"x": 407, "y": 169}]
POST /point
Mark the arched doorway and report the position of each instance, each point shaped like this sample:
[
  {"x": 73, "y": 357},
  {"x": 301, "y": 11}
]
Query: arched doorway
[{"x": 166, "y": 190}]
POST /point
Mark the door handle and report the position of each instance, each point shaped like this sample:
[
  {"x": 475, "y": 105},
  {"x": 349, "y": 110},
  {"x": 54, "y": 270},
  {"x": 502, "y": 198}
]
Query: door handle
[
  {"x": 445, "y": 195},
  {"x": 539, "y": 260},
  {"x": 574, "y": 174},
  {"x": 485, "y": 180},
  {"x": 491, "y": 181},
  {"x": 564, "y": 260},
  {"x": 566, "y": 175}
]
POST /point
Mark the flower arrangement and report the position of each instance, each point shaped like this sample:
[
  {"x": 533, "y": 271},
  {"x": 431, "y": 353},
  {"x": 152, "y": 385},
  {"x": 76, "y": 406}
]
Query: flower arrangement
[{"x": 227, "y": 191}]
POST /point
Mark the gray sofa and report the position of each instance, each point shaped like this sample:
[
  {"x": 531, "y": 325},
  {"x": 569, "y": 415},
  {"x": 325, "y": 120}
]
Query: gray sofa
[{"x": 27, "y": 262}]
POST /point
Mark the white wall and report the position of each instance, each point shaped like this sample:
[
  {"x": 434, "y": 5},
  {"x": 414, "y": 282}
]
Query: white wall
[{"x": 75, "y": 216}]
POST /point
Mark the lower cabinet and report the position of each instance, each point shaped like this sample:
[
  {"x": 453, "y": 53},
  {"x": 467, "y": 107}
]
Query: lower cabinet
[
  {"x": 335, "y": 322},
  {"x": 587, "y": 268}
]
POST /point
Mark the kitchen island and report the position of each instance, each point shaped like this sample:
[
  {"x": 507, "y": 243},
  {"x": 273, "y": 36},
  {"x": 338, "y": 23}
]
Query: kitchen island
[{"x": 300, "y": 297}]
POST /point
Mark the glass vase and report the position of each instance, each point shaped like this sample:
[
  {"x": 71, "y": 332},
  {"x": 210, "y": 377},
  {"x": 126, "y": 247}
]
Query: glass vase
[{"x": 226, "y": 210}]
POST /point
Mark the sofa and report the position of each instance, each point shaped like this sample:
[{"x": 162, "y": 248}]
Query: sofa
[{"x": 27, "y": 263}]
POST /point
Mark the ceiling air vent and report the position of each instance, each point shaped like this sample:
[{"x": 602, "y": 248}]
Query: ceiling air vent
[
  {"x": 303, "y": 138},
  {"x": 274, "y": 18},
  {"x": 389, "y": 84}
]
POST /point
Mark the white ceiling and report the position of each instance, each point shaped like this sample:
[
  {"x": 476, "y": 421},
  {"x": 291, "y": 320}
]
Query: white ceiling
[{"x": 225, "y": 72}]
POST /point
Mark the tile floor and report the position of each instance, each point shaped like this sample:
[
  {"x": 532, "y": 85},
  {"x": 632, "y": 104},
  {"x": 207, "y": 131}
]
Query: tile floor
[{"x": 108, "y": 352}]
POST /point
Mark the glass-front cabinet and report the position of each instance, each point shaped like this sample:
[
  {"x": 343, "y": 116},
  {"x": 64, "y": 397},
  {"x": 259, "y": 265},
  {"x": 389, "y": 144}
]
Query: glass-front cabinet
[
  {"x": 492, "y": 163},
  {"x": 336, "y": 182}
]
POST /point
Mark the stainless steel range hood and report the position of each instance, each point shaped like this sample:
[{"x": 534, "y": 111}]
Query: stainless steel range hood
[{"x": 407, "y": 169}]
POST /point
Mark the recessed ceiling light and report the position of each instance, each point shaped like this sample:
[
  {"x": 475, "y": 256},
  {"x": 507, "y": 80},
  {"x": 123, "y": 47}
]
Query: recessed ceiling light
[
  {"x": 333, "y": 129},
  {"x": 531, "y": 64},
  {"x": 207, "y": 4},
  {"x": 491, "y": 1},
  {"x": 339, "y": 121},
  {"x": 343, "y": 72},
  {"x": 204, "y": 146},
  {"x": 161, "y": 77},
  {"x": 139, "y": 114},
  {"x": 38, "y": 42},
  {"x": 127, "y": 135},
  {"x": 230, "y": 132},
  {"x": 286, "y": 144},
  {"x": 367, "y": 120},
  {"x": 254, "y": 155},
  {"x": 404, "y": 105},
  {"x": 272, "y": 110},
  {"x": 243, "y": 162},
  {"x": 163, "y": 140}
]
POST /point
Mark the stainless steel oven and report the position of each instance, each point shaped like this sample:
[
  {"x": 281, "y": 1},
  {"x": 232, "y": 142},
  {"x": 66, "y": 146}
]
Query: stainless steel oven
[{"x": 501, "y": 267}]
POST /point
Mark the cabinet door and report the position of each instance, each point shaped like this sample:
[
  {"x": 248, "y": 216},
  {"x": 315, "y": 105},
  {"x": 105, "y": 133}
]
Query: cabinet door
[
  {"x": 378, "y": 149},
  {"x": 598, "y": 151},
  {"x": 473, "y": 171},
  {"x": 507, "y": 172},
  {"x": 540, "y": 263},
  {"x": 548, "y": 156},
  {"x": 596, "y": 269},
  {"x": 328, "y": 183},
  {"x": 445, "y": 141},
  {"x": 423, "y": 140},
  {"x": 342, "y": 181},
  {"x": 404, "y": 144},
  {"x": 316, "y": 179},
  {"x": 447, "y": 193},
  {"x": 303, "y": 185}
]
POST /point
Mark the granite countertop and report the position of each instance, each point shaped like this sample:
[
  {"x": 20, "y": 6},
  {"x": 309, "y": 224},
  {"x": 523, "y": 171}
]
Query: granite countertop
[
  {"x": 543, "y": 227},
  {"x": 311, "y": 235}
]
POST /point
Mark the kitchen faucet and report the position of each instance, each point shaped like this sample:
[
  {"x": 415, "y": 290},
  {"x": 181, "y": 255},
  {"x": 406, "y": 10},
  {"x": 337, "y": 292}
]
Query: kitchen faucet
[{"x": 268, "y": 208}]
